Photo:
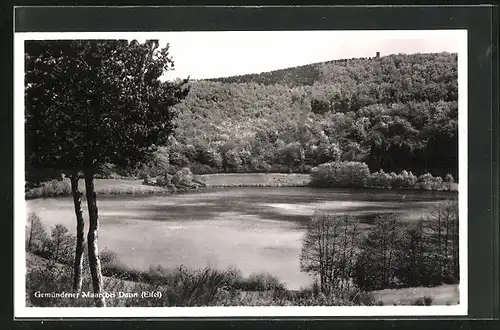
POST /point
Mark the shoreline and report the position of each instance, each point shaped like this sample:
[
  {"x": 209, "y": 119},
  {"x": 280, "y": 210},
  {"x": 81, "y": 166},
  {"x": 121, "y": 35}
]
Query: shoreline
[{"x": 131, "y": 186}]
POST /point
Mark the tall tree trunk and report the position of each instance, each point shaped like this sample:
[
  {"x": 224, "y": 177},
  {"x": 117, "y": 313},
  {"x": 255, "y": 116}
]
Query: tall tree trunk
[
  {"x": 94, "y": 262},
  {"x": 80, "y": 240}
]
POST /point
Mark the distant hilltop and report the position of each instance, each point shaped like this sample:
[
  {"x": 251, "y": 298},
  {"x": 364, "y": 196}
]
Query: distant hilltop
[{"x": 310, "y": 73}]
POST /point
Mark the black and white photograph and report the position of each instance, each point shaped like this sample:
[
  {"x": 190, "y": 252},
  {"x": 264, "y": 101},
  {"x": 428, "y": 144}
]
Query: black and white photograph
[{"x": 241, "y": 173}]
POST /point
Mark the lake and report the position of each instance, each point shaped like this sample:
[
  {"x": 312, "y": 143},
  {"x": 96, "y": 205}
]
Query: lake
[{"x": 253, "y": 229}]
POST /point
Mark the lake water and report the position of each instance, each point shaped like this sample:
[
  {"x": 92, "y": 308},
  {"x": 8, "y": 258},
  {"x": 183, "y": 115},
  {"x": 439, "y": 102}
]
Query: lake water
[{"x": 253, "y": 229}]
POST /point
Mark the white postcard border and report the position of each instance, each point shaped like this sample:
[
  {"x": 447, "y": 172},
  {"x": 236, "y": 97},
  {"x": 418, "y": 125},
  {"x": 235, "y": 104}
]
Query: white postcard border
[{"x": 20, "y": 309}]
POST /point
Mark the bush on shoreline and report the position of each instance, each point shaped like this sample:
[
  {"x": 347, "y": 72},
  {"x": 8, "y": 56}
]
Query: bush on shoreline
[
  {"x": 357, "y": 175},
  {"x": 340, "y": 174}
]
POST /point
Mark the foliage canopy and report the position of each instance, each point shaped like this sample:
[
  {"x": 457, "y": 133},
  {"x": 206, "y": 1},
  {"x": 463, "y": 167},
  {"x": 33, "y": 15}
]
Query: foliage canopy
[{"x": 91, "y": 102}]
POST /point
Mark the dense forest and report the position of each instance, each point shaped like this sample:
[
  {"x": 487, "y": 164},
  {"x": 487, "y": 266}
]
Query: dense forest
[{"x": 394, "y": 113}]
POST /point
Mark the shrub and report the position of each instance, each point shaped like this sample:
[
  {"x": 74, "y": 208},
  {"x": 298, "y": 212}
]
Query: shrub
[
  {"x": 58, "y": 247},
  {"x": 404, "y": 180},
  {"x": 197, "y": 287},
  {"x": 61, "y": 245},
  {"x": 261, "y": 282},
  {"x": 51, "y": 278},
  {"x": 409, "y": 179},
  {"x": 449, "y": 180},
  {"x": 184, "y": 177},
  {"x": 397, "y": 180},
  {"x": 304, "y": 297},
  {"x": 379, "y": 179},
  {"x": 428, "y": 182},
  {"x": 59, "y": 187},
  {"x": 164, "y": 180},
  {"x": 145, "y": 177},
  {"x": 340, "y": 174},
  {"x": 423, "y": 301},
  {"x": 107, "y": 256},
  {"x": 54, "y": 188}
]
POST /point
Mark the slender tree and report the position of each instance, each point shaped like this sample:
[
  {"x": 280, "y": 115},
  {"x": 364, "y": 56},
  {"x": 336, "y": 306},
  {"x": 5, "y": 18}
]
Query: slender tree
[
  {"x": 377, "y": 265},
  {"x": 313, "y": 257},
  {"x": 36, "y": 232},
  {"x": 60, "y": 243},
  {"x": 329, "y": 242},
  {"x": 80, "y": 237},
  {"x": 443, "y": 228},
  {"x": 412, "y": 257},
  {"x": 93, "y": 102}
]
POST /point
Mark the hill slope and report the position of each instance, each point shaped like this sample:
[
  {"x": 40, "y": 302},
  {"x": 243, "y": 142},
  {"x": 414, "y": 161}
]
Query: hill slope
[{"x": 396, "y": 112}]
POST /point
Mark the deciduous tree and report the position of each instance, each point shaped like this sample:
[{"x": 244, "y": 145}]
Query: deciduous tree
[
  {"x": 328, "y": 250},
  {"x": 94, "y": 102}
]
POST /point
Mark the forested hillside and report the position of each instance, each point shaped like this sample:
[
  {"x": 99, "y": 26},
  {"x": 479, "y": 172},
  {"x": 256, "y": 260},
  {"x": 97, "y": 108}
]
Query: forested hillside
[{"x": 395, "y": 113}]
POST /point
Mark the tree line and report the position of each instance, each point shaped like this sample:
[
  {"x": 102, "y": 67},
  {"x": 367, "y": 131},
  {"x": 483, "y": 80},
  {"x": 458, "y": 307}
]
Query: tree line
[
  {"x": 391, "y": 254},
  {"x": 358, "y": 175}
]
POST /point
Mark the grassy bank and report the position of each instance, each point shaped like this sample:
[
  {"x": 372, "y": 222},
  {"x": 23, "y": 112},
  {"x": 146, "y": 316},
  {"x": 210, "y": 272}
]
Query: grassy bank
[
  {"x": 121, "y": 186},
  {"x": 178, "y": 287},
  {"x": 446, "y": 294},
  {"x": 208, "y": 287},
  {"x": 255, "y": 180},
  {"x": 102, "y": 187},
  {"x": 57, "y": 188},
  {"x": 136, "y": 187}
]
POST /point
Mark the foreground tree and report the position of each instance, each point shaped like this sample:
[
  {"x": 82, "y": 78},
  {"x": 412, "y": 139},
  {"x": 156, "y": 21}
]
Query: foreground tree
[
  {"x": 60, "y": 243},
  {"x": 94, "y": 102},
  {"x": 414, "y": 265},
  {"x": 36, "y": 235},
  {"x": 328, "y": 250},
  {"x": 442, "y": 225},
  {"x": 376, "y": 266}
]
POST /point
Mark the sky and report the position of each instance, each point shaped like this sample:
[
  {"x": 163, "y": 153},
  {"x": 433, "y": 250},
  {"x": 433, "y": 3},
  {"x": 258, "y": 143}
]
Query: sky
[
  {"x": 203, "y": 55},
  {"x": 213, "y": 54}
]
